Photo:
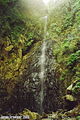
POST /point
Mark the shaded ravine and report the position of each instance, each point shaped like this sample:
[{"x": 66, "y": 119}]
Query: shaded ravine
[
  {"x": 37, "y": 88},
  {"x": 27, "y": 91},
  {"x": 31, "y": 86},
  {"x": 34, "y": 91}
]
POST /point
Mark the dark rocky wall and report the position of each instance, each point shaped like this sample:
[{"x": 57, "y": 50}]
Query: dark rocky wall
[{"x": 27, "y": 91}]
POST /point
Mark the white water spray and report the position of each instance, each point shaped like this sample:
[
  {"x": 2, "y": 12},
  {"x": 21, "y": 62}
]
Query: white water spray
[{"x": 42, "y": 62}]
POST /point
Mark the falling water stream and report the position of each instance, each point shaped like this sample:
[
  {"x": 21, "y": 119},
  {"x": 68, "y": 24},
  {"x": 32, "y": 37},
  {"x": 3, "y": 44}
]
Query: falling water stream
[{"x": 42, "y": 62}]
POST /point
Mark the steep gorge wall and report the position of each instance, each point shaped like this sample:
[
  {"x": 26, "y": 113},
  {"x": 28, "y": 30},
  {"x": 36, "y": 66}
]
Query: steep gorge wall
[{"x": 19, "y": 76}]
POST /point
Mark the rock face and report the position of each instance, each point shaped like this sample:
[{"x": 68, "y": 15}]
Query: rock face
[
  {"x": 26, "y": 93},
  {"x": 27, "y": 86}
]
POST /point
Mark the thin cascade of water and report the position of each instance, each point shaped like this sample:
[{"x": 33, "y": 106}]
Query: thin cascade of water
[{"x": 42, "y": 62}]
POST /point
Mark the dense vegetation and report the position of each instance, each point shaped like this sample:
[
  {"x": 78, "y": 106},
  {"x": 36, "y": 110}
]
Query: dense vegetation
[
  {"x": 67, "y": 47},
  {"x": 21, "y": 33},
  {"x": 17, "y": 34}
]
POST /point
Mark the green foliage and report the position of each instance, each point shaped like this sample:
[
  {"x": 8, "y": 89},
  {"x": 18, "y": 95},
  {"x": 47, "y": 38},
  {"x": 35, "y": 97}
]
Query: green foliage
[
  {"x": 68, "y": 22},
  {"x": 73, "y": 58},
  {"x": 5, "y": 2},
  {"x": 66, "y": 47}
]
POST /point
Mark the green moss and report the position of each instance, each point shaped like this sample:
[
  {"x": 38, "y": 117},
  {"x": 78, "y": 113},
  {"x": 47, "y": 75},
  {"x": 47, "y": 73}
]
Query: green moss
[
  {"x": 8, "y": 75},
  {"x": 32, "y": 115},
  {"x": 9, "y": 48},
  {"x": 70, "y": 98}
]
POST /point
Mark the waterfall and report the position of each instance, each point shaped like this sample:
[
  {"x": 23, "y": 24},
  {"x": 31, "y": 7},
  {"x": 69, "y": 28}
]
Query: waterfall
[{"x": 42, "y": 64}]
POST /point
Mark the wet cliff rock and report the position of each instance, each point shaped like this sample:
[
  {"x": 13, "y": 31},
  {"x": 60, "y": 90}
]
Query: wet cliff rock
[{"x": 27, "y": 91}]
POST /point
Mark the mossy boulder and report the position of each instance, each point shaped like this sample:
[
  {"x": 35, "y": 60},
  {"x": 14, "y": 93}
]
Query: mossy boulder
[
  {"x": 32, "y": 115},
  {"x": 70, "y": 98}
]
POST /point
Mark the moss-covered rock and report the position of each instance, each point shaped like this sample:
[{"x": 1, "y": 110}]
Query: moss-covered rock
[
  {"x": 32, "y": 115},
  {"x": 70, "y": 98}
]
